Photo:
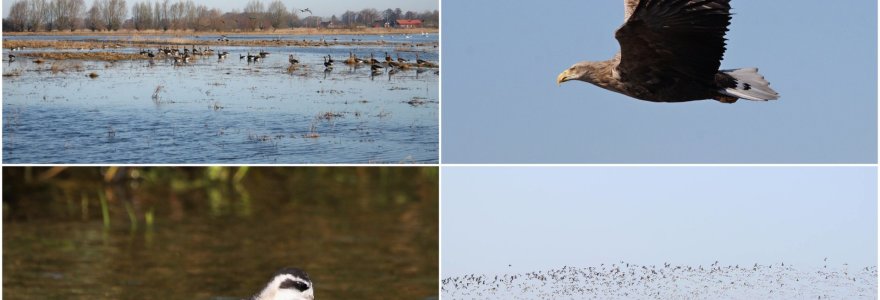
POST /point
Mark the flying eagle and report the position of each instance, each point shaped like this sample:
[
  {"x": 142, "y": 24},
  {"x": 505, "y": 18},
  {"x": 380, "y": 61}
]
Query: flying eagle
[{"x": 670, "y": 52}]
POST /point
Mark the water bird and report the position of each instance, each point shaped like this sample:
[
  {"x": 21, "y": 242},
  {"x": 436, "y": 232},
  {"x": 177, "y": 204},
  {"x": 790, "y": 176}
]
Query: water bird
[
  {"x": 373, "y": 59},
  {"x": 306, "y": 10},
  {"x": 419, "y": 60},
  {"x": 388, "y": 57},
  {"x": 400, "y": 59},
  {"x": 328, "y": 62},
  {"x": 287, "y": 284},
  {"x": 292, "y": 60},
  {"x": 671, "y": 51},
  {"x": 11, "y": 57},
  {"x": 222, "y": 55},
  {"x": 352, "y": 59},
  {"x": 263, "y": 54},
  {"x": 241, "y": 56}
]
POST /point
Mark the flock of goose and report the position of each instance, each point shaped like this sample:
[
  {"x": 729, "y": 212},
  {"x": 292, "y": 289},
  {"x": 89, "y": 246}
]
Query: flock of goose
[
  {"x": 626, "y": 281},
  {"x": 185, "y": 56},
  {"x": 376, "y": 66}
]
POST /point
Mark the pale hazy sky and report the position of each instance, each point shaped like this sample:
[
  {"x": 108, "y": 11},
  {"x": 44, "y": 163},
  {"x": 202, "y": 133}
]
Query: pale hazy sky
[
  {"x": 534, "y": 218},
  {"x": 318, "y": 7}
]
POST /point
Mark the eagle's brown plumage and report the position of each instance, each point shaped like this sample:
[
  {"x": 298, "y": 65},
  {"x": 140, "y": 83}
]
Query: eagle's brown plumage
[{"x": 670, "y": 51}]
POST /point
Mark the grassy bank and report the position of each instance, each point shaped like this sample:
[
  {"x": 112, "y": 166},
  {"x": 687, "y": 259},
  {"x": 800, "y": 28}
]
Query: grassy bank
[
  {"x": 139, "y": 42},
  {"x": 289, "y": 31}
]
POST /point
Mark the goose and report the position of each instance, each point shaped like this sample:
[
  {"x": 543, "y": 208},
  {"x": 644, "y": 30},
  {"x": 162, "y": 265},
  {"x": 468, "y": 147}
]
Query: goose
[
  {"x": 241, "y": 56},
  {"x": 400, "y": 59},
  {"x": 419, "y": 60},
  {"x": 250, "y": 57},
  {"x": 222, "y": 55},
  {"x": 330, "y": 59},
  {"x": 352, "y": 59},
  {"x": 328, "y": 64},
  {"x": 287, "y": 284},
  {"x": 388, "y": 57},
  {"x": 373, "y": 60},
  {"x": 263, "y": 54},
  {"x": 11, "y": 57},
  {"x": 292, "y": 60},
  {"x": 150, "y": 54}
]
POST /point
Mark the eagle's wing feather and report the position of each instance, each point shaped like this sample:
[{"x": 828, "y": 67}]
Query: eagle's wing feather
[
  {"x": 628, "y": 7},
  {"x": 665, "y": 42}
]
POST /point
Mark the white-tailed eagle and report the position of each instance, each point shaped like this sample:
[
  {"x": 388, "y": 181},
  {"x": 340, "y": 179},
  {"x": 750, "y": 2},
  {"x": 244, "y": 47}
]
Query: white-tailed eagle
[{"x": 670, "y": 51}]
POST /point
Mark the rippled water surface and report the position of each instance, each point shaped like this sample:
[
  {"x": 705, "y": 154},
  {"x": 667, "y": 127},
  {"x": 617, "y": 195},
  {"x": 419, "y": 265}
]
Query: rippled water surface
[
  {"x": 223, "y": 111},
  {"x": 360, "y": 233}
]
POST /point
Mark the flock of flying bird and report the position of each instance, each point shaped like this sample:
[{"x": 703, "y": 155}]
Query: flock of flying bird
[{"x": 628, "y": 281}]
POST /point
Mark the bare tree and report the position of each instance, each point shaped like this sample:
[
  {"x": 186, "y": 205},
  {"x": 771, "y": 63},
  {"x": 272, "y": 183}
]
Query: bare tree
[
  {"x": 38, "y": 14},
  {"x": 277, "y": 14},
  {"x": 369, "y": 15},
  {"x": 18, "y": 15},
  {"x": 254, "y": 11},
  {"x": 142, "y": 15},
  {"x": 293, "y": 18},
  {"x": 94, "y": 19},
  {"x": 113, "y": 12}
]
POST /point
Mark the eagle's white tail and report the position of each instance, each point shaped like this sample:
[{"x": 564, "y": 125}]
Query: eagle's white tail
[{"x": 749, "y": 85}]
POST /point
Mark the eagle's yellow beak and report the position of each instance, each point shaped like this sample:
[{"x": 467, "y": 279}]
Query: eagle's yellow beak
[{"x": 563, "y": 77}]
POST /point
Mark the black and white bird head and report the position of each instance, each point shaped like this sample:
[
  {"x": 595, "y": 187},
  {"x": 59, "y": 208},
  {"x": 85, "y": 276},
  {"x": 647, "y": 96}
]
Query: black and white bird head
[{"x": 288, "y": 284}]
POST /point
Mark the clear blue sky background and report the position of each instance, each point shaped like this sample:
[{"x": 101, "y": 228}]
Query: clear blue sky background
[
  {"x": 318, "y": 7},
  {"x": 541, "y": 218},
  {"x": 501, "y": 103}
]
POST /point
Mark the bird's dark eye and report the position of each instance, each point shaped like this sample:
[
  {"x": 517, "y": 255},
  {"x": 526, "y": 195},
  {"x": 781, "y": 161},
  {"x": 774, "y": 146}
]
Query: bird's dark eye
[{"x": 293, "y": 284}]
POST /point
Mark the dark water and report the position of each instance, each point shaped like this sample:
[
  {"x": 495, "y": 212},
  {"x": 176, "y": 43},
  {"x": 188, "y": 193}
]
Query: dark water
[
  {"x": 228, "y": 111},
  {"x": 360, "y": 233}
]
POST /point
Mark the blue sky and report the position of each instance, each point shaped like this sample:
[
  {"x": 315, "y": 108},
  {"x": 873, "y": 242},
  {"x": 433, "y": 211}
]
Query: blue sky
[
  {"x": 537, "y": 218},
  {"x": 318, "y": 7},
  {"x": 501, "y": 103}
]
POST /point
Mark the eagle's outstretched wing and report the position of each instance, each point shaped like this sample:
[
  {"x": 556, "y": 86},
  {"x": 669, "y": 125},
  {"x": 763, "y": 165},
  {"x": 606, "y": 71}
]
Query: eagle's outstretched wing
[{"x": 665, "y": 42}]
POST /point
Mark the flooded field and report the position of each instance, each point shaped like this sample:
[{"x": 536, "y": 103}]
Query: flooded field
[
  {"x": 213, "y": 110},
  {"x": 216, "y": 233},
  {"x": 630, "y": 281}
]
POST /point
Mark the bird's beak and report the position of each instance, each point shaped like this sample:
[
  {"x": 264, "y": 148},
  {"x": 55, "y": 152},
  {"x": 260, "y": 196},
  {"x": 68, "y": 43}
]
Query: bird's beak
[{"x": 563, "y": 77}]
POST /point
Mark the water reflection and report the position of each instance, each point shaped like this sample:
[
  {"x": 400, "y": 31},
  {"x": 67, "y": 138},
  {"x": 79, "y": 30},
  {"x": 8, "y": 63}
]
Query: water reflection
[{"x": 209, "y": 233}]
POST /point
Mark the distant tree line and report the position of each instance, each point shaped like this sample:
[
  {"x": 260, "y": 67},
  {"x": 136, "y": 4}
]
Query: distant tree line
[{"x": 112, "y": 15}]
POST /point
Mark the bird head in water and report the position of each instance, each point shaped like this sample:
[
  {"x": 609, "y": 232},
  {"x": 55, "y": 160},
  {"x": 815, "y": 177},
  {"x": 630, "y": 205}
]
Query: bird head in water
[{"x": 288, "y": 284}]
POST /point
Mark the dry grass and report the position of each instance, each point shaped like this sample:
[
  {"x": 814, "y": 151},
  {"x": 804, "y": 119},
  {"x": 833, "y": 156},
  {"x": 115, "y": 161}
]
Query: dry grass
[
  {"x": 139, "y": 42},
  {"x": 154, "y": 43},
  {"x": 100, "y": 56},
  {"x": 288, "y": 31},
  {"x": 13, "y": 73},
  {"x": 64, "y": 67}
]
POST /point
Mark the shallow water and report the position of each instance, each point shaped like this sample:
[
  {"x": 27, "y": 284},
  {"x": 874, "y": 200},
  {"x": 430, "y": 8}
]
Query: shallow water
[
  {"x": 359, "y": 233},
  {"x": 222, "y": 111}
]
